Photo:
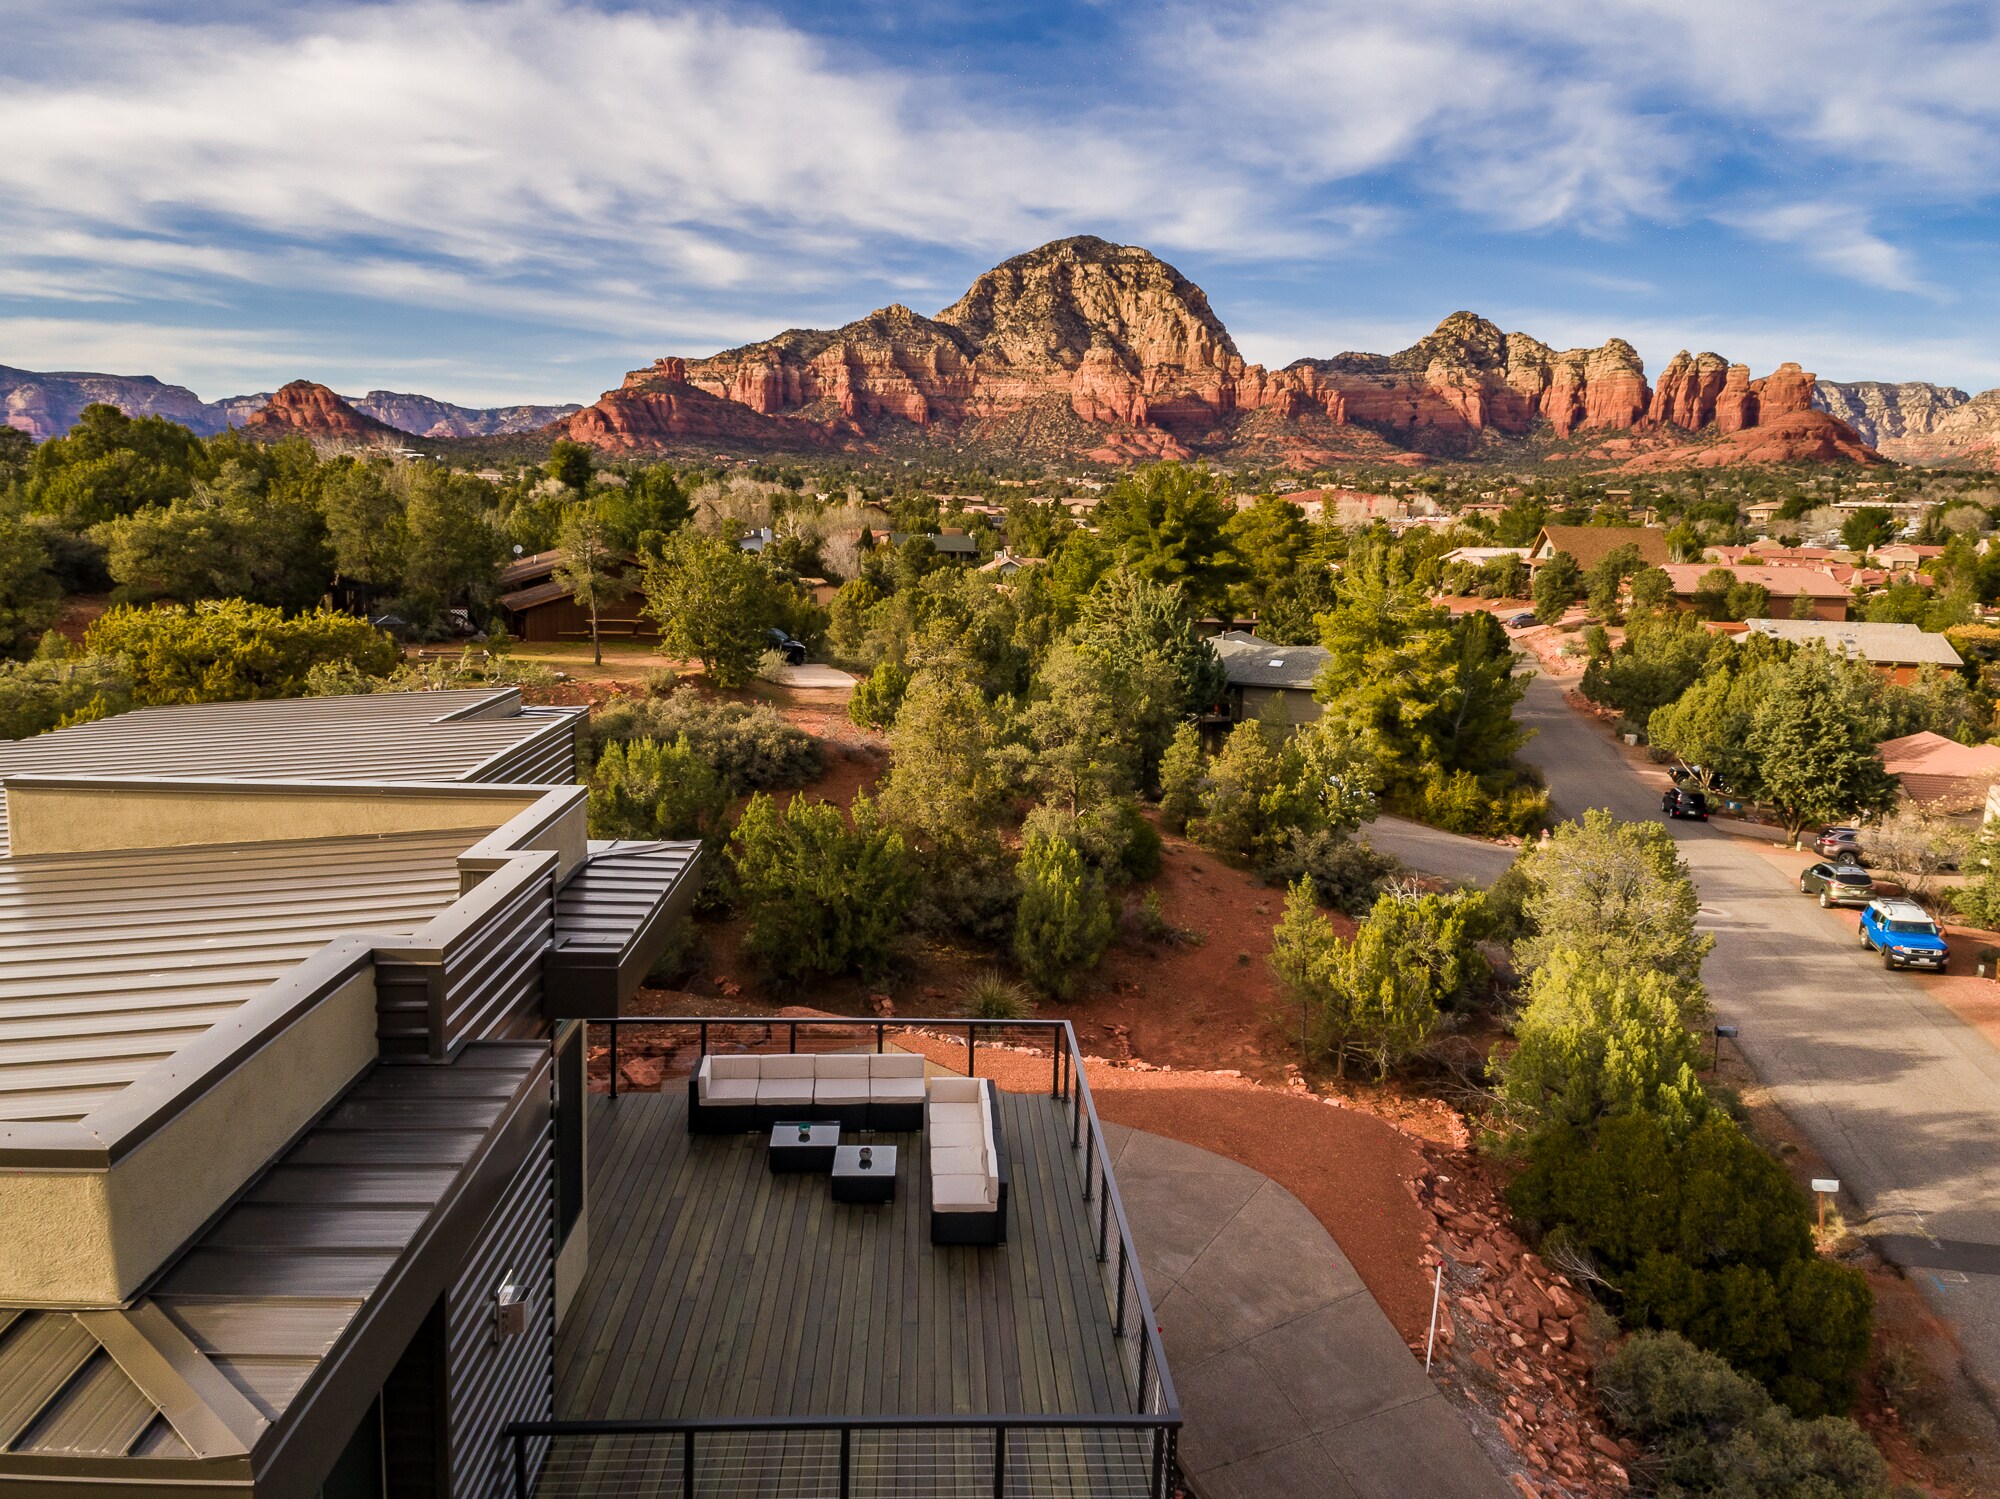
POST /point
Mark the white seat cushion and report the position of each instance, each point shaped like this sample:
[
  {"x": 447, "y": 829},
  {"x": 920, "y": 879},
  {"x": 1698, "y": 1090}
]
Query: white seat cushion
[
  {"x": 896, "y": 1089},
  {"x": 841, "y": 1065},
  {"x": 736, "y": 1090},
  {"x": 840, "y": 1090},
  {"x": 784, "y": 1090},
  {"x": 788, "y": 1064},
  {"x": 957, "y": 1160},
  {"x": 947, "y": 1129},
  {"x": 964, "y": 1194},
  {"x": 958, "y": 1089},
  {"x": 895, "y": 1064}
]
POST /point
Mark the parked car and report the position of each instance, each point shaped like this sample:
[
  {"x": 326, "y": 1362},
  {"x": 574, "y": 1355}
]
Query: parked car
[
  {"x": 793, "y": 652},
  {"x": 1684, "y": 803},
  {"x": 1519, "y": 621},
  {"x": 1838, "y": 884},
  {"x": 1904, "y": 935},
  {"x": 1839, "y": 843}
]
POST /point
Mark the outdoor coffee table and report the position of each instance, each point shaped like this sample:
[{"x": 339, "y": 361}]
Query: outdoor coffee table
[
  {"x": 803, "y": 1147},
  {"x": 856, "y": 1182}
]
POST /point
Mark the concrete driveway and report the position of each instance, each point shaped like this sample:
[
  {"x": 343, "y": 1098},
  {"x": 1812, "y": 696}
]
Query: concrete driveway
[{"x": 1901, "y": 1096}]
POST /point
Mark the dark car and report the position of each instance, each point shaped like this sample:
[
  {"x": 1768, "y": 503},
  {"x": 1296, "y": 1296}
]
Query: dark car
[
  {"x": 1682, "y": 802},
  {"x": 1843, "y": 844},
  {"x": 1518, "y": 621},
  {"x": 793, "y": 652},
  {"x": 1838, "y": 884}
]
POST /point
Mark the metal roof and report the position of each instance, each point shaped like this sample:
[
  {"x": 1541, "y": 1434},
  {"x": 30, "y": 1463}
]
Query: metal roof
[
  {"x": 110, "y": 963},
  {"x": 450, "y": 735},
  {"x": 1251, "y": 662},
  {"x": 614, "y": 917},
  {"x": 202, "y": 1371}
]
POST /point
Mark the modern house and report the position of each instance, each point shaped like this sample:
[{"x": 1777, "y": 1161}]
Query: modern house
[
  {"x": 1260, "y": 673},
  {"x": 1589, "y": 545},
  {"x": 1899, "y": 652},
  {"x": 540, "y": 608},
  {"x": 303, "y": 1193}
]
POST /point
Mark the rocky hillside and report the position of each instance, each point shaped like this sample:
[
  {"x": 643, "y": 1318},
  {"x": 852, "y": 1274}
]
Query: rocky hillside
[
  {"x": 1917, "y": 422},
  {"x": 426, "y": 416},
  {"x": 1104, "y": 351},
  {"x": 305, "y": 409}
]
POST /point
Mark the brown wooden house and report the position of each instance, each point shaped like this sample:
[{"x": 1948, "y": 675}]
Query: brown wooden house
[{"x": 539, "y": 608}]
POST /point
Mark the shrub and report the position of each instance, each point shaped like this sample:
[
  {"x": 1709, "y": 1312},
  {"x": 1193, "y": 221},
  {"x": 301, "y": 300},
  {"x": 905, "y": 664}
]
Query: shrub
[
  {"x": 993, "y": 996},
  {"x": 878, "y": 695},
  {"x": 1180, "y": 779},
  {"x": 1063, "y": 923},
  {"x": 1254, "y": 796},
  {"x": 1114, "y": 838},
  {"x": 1707, "y": 1236},
  {"x": 225, "y": 649},
  {"x": 1346, "y": 873},
  {"x": 1710, "y": 1431},
  {"x": 646, "y": 789},
  {"x": 54, "y": 690},
  {"x": 822, "y": 898},
  {"x": 749, "y": 744}
]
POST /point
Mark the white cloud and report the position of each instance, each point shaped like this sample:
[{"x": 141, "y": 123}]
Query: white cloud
[{"x": 1836, "y": 236}]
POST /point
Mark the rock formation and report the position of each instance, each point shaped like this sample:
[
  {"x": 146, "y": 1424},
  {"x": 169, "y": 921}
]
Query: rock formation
[
  {"x": 426, "y": 416},
  {"x": 1918, "y": 422},
  {"x": 47, "y": 405},
  {"x": 1107, "y": 352},
  {"x": 316, "y": 412}
]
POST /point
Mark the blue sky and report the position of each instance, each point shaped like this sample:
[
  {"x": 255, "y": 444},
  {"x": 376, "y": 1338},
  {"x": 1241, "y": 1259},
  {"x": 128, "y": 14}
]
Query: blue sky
[{"x": 513, "y": 200}]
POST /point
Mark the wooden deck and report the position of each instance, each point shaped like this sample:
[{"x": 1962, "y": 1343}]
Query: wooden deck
[{"x": 718, "y": 1289}]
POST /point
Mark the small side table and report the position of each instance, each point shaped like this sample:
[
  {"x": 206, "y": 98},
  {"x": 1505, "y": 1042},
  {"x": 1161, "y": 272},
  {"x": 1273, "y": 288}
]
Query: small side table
[
  {"x": 803, "y": 1147},
  {"x": 873, "y": 1182}
]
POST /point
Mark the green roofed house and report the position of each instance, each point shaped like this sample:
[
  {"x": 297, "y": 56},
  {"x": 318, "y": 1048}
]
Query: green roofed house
[
  {"x": 304, "y": 1192},
  {"x": 1261, "y": 673}
]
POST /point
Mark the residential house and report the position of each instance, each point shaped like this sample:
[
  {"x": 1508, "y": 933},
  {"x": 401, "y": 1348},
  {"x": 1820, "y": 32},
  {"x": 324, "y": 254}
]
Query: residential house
[
  {"x": 1260, "y": 673},
  {"x": 1826, "y": 596},
  {"x": 538, "y": 607},
  {"x": 1899, "y": 652},
  {"x": 304, "y": 1190},
  {"x": 1480, "y": 556},
  {"x": 1589, "y": 545},
  {"x": 1941, "y": 772},
  {"x": 1904, "y": 557},
  {"x": 1005, "y": 564}
]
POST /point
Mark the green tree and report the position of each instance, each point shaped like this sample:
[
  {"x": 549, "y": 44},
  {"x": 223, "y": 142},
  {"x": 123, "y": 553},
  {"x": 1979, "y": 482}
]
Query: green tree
[
  {"x": 713, "y": 602},
  {"x": 1605, "y": 581},
  {"x": 1558, "y": 584},
  {"x": 1747, "y": 600},
  {"x": 109, "y": 464},
  {"x": 1086, "y": 719},
  {"x": 454, "y": 548},
  {"x": 642, "y": 788},
  {"x": 1867, "y": 528},
  {"x": 1652, "y": 588},
  {"x": 569, "y": 465},
  {"x": 592, "y": 568},
  {"x": 365, "y": 525},
  {"x": 1169, "y": 524},
  {"x": 949, "y": 781},
  {"x": 1813, "y": 739},
  {"x": 1617, "y": 890},
  {"x": 821, "y": 898},
  {"x": 650, "y": 507},
  {"x": 1180, "y": 779},
  {"x": 30, "y": 596},
  {"x": 1597, "y": 1041},
  {"x": 1254, "y": 796},
  {"x": 877, "y": 696},
  {"x": 55, "y": 689},
  {"x": 1712, "y": 593},
  {"x": 1802, "y": 606},
  {"x": 1063, "y": 923}
]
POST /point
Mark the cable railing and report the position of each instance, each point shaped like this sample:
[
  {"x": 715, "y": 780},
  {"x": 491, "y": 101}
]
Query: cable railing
[{"x": 1129, "y": 1454}]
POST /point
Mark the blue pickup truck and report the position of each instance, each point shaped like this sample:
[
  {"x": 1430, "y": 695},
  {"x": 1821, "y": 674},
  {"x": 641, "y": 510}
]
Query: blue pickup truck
[{"x": 1903, "y": 934}]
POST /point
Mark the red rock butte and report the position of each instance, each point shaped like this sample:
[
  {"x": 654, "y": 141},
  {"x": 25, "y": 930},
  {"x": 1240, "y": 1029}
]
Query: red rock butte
[{"x": 1087, "y": 349}]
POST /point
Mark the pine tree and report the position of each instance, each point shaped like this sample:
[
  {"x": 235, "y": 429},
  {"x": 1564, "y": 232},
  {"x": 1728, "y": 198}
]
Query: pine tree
[
  {"x": 1814, "y": 743},
  {"x": 1063, "y": 923}
]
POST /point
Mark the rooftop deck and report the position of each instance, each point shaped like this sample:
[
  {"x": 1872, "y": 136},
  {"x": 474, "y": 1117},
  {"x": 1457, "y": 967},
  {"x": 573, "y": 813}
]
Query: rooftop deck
[{"x": 717, "y": 1289}]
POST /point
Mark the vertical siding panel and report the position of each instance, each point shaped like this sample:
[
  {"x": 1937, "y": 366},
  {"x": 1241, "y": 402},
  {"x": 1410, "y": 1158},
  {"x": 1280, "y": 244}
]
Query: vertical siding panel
[{"x": 490, "y": 1384}]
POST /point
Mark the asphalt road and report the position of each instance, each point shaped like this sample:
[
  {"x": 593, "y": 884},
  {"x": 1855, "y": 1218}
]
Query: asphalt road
[{"x": 1897, "y": 1093}]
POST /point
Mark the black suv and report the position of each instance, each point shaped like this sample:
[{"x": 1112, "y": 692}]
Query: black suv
[
  {"x": 1838, "y": 884},
  {"x": 1683, "y": 802}
]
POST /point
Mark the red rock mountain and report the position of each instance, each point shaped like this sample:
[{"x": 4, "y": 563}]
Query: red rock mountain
[
  {"x": 316, "y": 412},
  {"x": 1106, "y": 351}
]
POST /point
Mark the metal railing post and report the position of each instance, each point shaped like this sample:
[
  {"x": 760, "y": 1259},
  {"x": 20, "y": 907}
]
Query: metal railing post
[
  {"x": 879, "y": 1030},
  {"x": 1159, "y": 1489},
  {"x": 1103, "y": 1227},
  {"x": 1145, "y": 1344},
  {"x": 1118, "y": 1323},
  {"x": 999, "y": 1462},
  {"x": 1055, "y": 1071},
  {"x": 614, "y": 1059},
  {"x": 687, "y": 1466},
  {"x": 1076, "y": 1112},
  {"x": 520, "y": 1466},
  {"x": 972, "y": 1051},
  {"x": 846, "y": 1462}
]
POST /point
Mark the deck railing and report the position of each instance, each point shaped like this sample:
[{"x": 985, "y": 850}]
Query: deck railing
[{"x": 1110, "y": 1455}]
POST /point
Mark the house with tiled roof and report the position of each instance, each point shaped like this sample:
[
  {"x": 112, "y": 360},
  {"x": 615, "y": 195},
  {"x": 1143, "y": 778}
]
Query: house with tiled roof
[
  {"x": 1827, "y": 596},
  {"x": 1899, "y": 652},
  {"x": 1941, "y": 772},
  {"x": 1589, "y": 545}
]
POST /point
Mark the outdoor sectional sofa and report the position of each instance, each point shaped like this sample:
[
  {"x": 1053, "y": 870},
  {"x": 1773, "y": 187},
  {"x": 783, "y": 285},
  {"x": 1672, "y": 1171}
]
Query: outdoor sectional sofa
[
  {"x": 857, "y": 1090},
  {"x": 967, "y": 1169}
]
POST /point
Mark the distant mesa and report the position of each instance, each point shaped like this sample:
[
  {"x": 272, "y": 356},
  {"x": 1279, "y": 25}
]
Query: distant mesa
[{"x": 1086, "y": 348}]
